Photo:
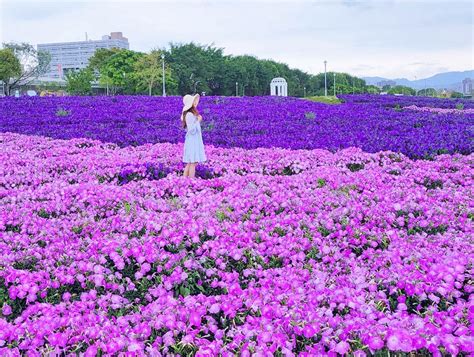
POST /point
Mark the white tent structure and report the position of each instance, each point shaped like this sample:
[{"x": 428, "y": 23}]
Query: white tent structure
[{"x": 279, "y": 87}]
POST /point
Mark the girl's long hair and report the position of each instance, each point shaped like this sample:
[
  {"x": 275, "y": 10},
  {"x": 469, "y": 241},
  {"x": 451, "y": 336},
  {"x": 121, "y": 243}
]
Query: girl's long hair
[{"x": 183, "y": 115}]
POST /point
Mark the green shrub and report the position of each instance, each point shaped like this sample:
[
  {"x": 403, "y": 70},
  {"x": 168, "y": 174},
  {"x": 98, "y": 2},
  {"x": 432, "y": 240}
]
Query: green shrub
[
  {"x": 310, "y": 115},
  {"x": 61, "y": 112},
  {"x": 354, "y": 166},
  {"x": 321, "y": 182}
]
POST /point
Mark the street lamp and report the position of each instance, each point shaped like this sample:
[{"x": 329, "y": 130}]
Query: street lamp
[
  {"x": 236, "y": 89},
  {"x": 163, "y": 79},
  {"x": 334, "y": 83},
  {"x": 325, "y": 80},
  {"x": 304, "y": 92},
  {"x": 195, "y": 85}
]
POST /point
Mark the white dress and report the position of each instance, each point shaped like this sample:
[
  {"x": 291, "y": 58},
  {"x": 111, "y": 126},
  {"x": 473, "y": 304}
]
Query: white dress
[{"x": 193, "y": 144}]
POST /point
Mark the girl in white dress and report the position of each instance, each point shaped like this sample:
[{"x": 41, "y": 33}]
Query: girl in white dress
[{"x": 193, "y": 144}]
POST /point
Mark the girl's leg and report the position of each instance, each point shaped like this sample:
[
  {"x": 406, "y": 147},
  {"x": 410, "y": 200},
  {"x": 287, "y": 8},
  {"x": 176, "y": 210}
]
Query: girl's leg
[
  {"x": 186, "y": 170},
  {"x": 192, "y": 170}
]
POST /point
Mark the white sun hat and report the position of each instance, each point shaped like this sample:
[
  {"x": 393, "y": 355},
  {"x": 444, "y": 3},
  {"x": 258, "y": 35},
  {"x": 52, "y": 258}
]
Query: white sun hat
[{"x": 188, "y": 101}]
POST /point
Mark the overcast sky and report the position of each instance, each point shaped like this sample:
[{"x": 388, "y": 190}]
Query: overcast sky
[{"x": 388, "y": 38}]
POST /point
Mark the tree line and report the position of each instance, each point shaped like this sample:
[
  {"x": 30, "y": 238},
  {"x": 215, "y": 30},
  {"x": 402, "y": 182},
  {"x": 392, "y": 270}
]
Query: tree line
[{"x": 189, "y": 68}]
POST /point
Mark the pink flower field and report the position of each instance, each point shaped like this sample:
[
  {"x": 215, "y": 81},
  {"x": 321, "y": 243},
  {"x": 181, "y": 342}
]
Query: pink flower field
[{"x": 110, "y": 251}]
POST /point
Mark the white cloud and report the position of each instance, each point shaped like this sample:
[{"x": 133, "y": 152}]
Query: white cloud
[{"x": 361, "y": 37}]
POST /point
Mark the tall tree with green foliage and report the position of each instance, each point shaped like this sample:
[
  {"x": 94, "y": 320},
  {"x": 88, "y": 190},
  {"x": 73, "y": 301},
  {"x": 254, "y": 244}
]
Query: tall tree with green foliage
[
  {"x": 197, "y": 68},
  {"x": 345, "y": 84},
  {"x": 10, "y": 67},
  {"x": 80, "y": 82},
  {"x": 33, "y": 64},
  {"x": 100, "y": 57},
  {"x": 117, "y": 72},
  {"x": 149, "y": 74}
]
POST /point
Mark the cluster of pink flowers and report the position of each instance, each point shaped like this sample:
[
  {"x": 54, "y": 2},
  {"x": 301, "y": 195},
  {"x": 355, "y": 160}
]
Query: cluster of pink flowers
[
  {"x": 278, "y": 251},
  {"x": 440, "y": 110}
]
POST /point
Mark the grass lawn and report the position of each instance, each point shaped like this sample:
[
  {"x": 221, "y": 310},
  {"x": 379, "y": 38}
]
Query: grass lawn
[{"x": 323, "y": 99}]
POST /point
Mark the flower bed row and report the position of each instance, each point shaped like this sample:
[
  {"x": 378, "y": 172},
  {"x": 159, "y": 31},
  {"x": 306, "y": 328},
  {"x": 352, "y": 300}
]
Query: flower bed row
[
  {"x": 407, "y": 100},
  {"x": 364, "y": 121}
]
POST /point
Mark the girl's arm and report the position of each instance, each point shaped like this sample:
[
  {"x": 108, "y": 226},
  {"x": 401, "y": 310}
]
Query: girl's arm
[{"x": 192, "y": 123}]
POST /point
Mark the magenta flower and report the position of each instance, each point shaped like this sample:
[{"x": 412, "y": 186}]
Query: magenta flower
[
  {"x": 6, "y": 310},
  {"x": 342, "y": 347},
  {"x": 375, "y": 343},
  {"x": 195, "y": 319}
]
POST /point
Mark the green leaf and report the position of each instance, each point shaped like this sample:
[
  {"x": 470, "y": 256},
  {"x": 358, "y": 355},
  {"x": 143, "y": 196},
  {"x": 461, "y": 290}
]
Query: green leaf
[{"x": 127, "y": 207}]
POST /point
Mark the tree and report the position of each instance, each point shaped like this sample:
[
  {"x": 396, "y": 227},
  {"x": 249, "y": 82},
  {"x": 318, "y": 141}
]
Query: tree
[
  {"x": 456, "y": 95},
  {"x": 345, "y": 84},
  {"x": 80, "y": 82},
  {"x": 197, "y": 68},
  {"x": 427, "y": 92},
  {"x": 373, "y": 89},
  {"x": 10, "y": 67},
  {"x": 100, "y": 57},
  {"x": 402, "y": 90},
  {"x": 243, "y": 69},
  {"x": 148, "y": 70},
  {"x": 33, "y": 64},
  {"x": 149, "y": 74},
  {"x": 118, "y": 71}
]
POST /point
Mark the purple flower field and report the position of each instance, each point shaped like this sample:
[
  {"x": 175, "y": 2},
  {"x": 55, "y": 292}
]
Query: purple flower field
[
  {"x": 330, "y": 237},
  {"x": 367, "y": 122}
]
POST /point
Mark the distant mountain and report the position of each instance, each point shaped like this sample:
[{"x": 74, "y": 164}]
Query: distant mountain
[
  {"x": 449, "y": 80},
  {"x": 374, "y": 80}
]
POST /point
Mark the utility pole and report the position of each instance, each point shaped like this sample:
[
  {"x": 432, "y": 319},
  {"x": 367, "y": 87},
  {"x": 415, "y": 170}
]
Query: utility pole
[
  {"x": 334, "y": 83},
  {"x": 325, "y": 80},
  {"x": 236, "y": 89},
  {"x": 163, "y": 62}
]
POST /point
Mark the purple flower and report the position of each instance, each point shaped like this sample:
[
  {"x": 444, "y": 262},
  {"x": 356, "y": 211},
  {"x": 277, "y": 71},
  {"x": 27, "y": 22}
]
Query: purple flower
[{"x": 6, "y": 310}]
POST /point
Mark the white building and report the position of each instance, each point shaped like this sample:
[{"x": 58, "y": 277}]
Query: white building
[
  {"x": 67, "y": 56},
  {"x": 279, "y": 87}
]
